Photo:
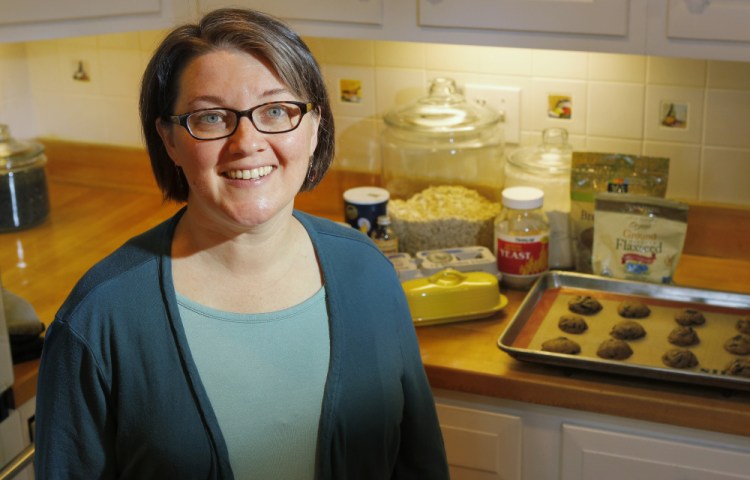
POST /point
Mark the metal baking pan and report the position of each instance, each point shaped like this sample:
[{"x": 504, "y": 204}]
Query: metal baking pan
[{"x": 536, "y": 319}]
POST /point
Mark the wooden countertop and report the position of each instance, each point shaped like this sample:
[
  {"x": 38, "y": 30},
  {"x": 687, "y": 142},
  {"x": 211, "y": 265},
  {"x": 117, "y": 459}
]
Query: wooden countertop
[{"x": 91, "y": 216}]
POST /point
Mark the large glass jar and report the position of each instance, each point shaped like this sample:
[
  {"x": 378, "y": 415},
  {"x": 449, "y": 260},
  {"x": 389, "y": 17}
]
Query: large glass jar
[
  {"x": 443, "y": 139},
  {"x": 547, "y": 167},
  {"x": 24, "y": 200}
]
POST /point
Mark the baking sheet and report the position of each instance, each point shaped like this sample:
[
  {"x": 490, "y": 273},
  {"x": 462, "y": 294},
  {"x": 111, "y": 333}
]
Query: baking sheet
[{"x": 536, "y": 321}]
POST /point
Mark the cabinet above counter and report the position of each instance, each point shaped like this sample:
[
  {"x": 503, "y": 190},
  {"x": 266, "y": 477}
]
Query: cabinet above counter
[
  {"x": 29, "y": 20},
  {"x": 683, "y": 28}
]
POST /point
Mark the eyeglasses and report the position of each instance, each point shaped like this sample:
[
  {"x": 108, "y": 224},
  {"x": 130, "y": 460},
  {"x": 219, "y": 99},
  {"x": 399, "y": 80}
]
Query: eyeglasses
[{"x": 216, "y": 123}]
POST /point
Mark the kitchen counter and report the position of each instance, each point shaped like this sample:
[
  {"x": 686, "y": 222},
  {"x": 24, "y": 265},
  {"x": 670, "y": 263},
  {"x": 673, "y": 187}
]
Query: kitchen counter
[{"x": 92, "y": 214}]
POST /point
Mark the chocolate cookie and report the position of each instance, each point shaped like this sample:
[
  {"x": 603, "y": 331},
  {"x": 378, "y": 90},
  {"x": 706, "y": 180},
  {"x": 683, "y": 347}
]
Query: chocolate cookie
[
  {"x": 561, "y": 345},
  {"x": 683, "y": 336},
  {"x": 738, "y": 345},
  {"x": 743, "y": 325},
  {"x": 572, "y": 324},
  {"x": 628, "y": 330},
  {"x": 584, "y": 305},
  {"x": 633, "y": 309},
  {"x": 679, "y": 358},
  {"x": 689, "y": 317},
  {"x": 739, "y": 367},
  {"x": 614, "y": 349}
]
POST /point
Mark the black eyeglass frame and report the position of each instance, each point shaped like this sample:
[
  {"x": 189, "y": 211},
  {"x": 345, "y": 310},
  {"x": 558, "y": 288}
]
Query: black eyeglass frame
[{"x": 182, "y": 120}]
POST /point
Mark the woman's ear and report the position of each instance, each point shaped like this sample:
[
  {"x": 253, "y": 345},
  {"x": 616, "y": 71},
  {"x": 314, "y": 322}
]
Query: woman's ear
[
  {"x": 166, "y": 132},
  {"x": 314, "y": 133}
]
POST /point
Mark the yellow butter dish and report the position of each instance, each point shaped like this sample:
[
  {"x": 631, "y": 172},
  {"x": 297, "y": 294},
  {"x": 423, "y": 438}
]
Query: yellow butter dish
[{"x": 453, "y": 296}]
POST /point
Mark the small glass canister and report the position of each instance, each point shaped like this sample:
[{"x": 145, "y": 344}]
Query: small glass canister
[{"x": 547, "y": 167}]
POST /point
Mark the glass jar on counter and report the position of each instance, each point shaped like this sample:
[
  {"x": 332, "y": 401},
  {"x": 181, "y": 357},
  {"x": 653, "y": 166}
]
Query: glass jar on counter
[
  {"x": 522, "y": 237},
  {"x": 24, "y": 199},
  {"x": 443, "y": 139},
  {"x": 547, "y": 167}
]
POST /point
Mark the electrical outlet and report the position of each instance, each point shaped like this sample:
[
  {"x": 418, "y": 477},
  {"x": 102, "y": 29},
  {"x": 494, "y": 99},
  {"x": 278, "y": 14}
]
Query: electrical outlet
[{"x": 504, "y": 99}]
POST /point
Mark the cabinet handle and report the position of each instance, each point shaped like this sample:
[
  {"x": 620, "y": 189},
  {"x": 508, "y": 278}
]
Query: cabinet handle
[
  {"x": 697, "y": 6},
  {"x": 18, "y": 463}
]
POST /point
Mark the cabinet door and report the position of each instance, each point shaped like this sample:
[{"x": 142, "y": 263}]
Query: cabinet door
[
  {"x": 26, "y": 11},
  {"x": 727, "y": 20},
  {"x": 481, "y": 445},
  {"x": 12, "y": 443},
  {"x": 348, "y": 11},
  {"x": 710, "y": 29},
  {"x": 594, "y": 17},
  {"x": 592, "y": 454},
  {"x": 25, "y": 20}
]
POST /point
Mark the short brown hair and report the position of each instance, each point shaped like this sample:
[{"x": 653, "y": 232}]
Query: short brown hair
[{"x": 248, "y": 31}]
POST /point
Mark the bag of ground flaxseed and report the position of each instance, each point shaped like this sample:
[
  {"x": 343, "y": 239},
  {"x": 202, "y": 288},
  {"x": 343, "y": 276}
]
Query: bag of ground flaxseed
[
  {"x": 593, "y": 172},
  {"x": 637, "y": 237}
]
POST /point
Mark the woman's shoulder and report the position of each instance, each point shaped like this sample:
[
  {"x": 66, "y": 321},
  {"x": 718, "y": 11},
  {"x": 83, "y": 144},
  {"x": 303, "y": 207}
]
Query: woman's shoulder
[
  {"x": 326, "y": 233},
  {"x": 122, "y": 270},
  {"x": 348, "y": 253}
]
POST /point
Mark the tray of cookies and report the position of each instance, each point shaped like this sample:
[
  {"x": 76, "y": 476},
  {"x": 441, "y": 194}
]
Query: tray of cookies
[{"x": 634, "y": 328}]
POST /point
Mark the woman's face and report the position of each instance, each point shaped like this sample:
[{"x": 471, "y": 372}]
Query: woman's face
[{"x": 250, "y": 177}]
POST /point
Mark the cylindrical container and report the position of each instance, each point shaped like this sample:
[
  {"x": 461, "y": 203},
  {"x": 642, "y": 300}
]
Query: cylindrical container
[
  {"x": 443, "y": 139},
  {"x": 363, "y": 206},
  {"x": 547, "y": 167},
  {"x": 24, "y": 200},
  {"x": 384, "y": 236},
  {"x": 522, "y": 237}
]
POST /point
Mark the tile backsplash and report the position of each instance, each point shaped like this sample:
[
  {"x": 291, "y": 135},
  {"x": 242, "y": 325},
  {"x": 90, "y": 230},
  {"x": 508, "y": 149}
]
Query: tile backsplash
[{"x": 696, "y": 112}]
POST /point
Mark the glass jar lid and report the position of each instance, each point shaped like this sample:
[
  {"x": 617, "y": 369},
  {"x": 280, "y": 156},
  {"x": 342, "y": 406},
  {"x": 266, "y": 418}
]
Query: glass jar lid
[
  {"x": 552, "y": 156},
  {"x": 16, "y": 155},
  {"x": 443, "y": 110}
]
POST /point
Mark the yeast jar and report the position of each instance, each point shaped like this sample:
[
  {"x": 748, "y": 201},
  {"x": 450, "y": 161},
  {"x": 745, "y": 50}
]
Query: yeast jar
[
  {"x": 443, "y": 139},
  {"x": 24, "y": 201},
  {"x": 522, "y": 237}
]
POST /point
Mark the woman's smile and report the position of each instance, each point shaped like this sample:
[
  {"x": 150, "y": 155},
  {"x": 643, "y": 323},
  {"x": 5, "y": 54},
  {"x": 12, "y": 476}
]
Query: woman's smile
[{"x": 248, "y": 174}]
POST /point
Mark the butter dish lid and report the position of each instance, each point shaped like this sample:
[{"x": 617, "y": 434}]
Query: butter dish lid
[{"x": 451, "y": 295}]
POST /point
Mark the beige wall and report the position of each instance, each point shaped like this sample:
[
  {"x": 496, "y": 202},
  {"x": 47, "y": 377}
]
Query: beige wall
[{"x": 616, "y": 99}]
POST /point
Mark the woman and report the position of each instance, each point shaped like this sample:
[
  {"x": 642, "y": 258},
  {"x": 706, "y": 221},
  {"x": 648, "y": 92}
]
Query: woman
[{"x": 241, "y": 338}]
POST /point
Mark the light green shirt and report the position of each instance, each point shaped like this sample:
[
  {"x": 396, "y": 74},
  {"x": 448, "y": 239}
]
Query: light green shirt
[{"x": 265, "y": 375}]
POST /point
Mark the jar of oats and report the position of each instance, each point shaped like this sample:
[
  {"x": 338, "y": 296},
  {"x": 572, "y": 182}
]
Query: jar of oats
[{"x": 522, "y": 237}]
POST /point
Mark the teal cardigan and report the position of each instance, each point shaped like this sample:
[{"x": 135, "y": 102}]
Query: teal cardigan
[{"x": 119, "y": 395}]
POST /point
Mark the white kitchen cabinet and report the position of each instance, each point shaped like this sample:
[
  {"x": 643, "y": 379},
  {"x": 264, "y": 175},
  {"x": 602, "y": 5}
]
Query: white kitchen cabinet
[
  {"x": 612, "y": 25},
  {"x": 11, "y": 438},
  {"x": 707, "y": 29},
  {"x": 494, "y": 438},
  {"x": 13, "y": 441},
  {"x": 26, "y": 415},
  {"x": 345, "y": 11},
  {"x": 713, "y": 29},
  {"x": 28, "y": 11},
  {"x": 594, "y": 453},
  {"x": 24, "y": 20},
  {"x": 480, "y": 444},
  {"x": 726, "y": 20},
  {"x": 594, "y": 17}
]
